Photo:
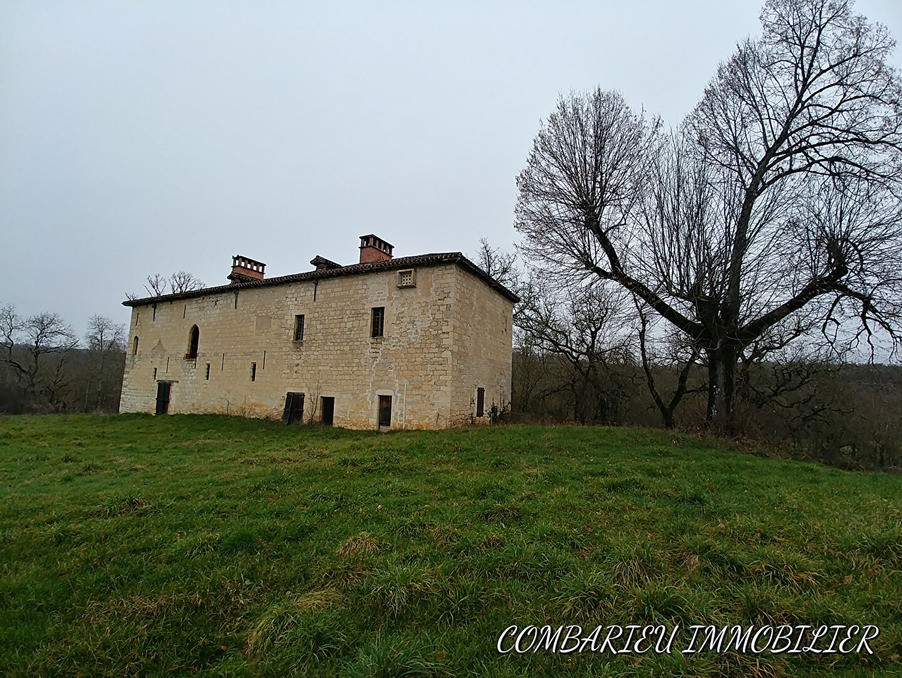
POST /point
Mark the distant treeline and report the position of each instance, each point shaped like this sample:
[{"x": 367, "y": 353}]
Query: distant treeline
[
  {"x": 848, "y": 415},
  {"x": 45, "y": 367}
]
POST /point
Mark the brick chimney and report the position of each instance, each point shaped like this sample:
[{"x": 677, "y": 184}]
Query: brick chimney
[
  {"x": 246, "y": 270},
  {"x": 374, "y": 249}
]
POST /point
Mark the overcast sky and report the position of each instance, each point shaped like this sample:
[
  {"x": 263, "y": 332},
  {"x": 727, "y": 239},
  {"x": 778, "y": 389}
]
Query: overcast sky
[{"x": 144, "y": 137}]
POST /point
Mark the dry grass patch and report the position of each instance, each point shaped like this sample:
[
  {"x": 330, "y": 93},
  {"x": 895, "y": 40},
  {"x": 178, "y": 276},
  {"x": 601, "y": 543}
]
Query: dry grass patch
[
  {"x": 362, "y": 542},
  {"x": 283, "y": 617}
]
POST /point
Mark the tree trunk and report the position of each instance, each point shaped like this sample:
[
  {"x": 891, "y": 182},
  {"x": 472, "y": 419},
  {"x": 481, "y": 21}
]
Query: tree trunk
[{"x": 721, "y": 388}]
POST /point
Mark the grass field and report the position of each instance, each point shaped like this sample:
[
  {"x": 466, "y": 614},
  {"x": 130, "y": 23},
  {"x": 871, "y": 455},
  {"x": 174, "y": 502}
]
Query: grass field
[{"x": 141, "y": 545}]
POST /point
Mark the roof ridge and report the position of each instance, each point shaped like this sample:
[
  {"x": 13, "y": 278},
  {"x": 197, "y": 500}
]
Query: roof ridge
[{"x": 349, "y": 269}]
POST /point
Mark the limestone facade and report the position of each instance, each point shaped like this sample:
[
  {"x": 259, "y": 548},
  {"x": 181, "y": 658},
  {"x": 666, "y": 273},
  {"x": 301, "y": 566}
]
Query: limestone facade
[{"x": 445, "y": 347}]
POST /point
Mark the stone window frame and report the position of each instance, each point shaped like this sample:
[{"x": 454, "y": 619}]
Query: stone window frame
[
  {"x": 377, "y": 322},
  {"x": 300, "y": 327},
  {"x": 407, "y": 278}
]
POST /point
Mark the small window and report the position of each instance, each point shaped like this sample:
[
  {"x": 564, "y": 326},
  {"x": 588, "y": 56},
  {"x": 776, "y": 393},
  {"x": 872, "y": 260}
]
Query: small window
[
  {"x": 155, "y": 373},
  {"x": 406, "y": 278},
  {"x": 299, "y": 328},
  {"x": 135, "y": 346},
  {"x": 207, "y": 376},
  {"x": 378, "y": 323},
  {"x": 480, "y": 402},
  {"x": 253, "y": 371},
  {"x": 193, "y": 343}
]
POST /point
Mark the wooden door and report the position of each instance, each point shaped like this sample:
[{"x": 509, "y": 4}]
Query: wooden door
[
  {"x": 294, "y": 408},
  {"x": 164, "y": 391}
]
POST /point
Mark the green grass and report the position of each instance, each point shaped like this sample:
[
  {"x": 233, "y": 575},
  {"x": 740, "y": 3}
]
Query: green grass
[{"x": 136, "y": 545}]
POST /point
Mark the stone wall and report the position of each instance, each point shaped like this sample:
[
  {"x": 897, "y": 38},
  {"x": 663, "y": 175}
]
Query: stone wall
[
  {"x": 482, "y": 350},
  {"x": 424, "y": 360}
]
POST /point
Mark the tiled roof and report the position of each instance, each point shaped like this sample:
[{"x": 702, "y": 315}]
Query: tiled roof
[{"x": 436, "y": 259}]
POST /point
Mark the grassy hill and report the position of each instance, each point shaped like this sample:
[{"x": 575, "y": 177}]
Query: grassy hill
[{"x": 183, "y": 544}]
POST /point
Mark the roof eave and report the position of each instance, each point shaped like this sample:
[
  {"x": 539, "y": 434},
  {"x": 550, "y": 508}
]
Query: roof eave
[{"x": 437, "y": 259}]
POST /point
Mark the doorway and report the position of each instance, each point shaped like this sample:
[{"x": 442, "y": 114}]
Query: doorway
[
  {"x": 384, "y": 411},
  {"x": 328, "y": 411},
  {"x": 294, "y": 408},
  {"x": 164, "y": 391}
]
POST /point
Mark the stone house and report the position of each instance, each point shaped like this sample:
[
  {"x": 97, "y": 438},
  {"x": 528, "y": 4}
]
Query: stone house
[{"x": 402, "y": 343}]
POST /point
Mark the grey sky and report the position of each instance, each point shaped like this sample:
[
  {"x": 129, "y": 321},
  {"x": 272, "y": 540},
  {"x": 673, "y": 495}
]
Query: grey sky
[{"x": 143, "y": 137}]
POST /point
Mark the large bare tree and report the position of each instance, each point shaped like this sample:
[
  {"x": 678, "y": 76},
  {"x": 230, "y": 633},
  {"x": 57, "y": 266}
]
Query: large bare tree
[
  {"x": 26, "y": 345},
  {"x": 776, "y": 205}
]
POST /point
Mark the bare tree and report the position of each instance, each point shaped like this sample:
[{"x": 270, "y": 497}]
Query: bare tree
[
  {"x": 104, "y": 340},
  {"x": 182, "y": 281},
  {"x": 104, "y": 335},
  {"x": 679, "y": 356},
  {"x": 500, "y": 265},
  {"x": 156, "y": 285},
  {"x": 56, "y": 380},
  {"x": 10, "y": 326},
  {"x": 778, "y": 199},
  {"x": 589, "y": 328},
  {"x": 528, "y": 369},
  {"x": 36, "y": 337}
]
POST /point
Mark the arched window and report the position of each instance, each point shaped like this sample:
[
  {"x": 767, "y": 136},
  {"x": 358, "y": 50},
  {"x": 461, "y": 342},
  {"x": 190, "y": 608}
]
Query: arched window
[
  {"x": 193, "y": 340},
  {"x": 135, "y": 346}
]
